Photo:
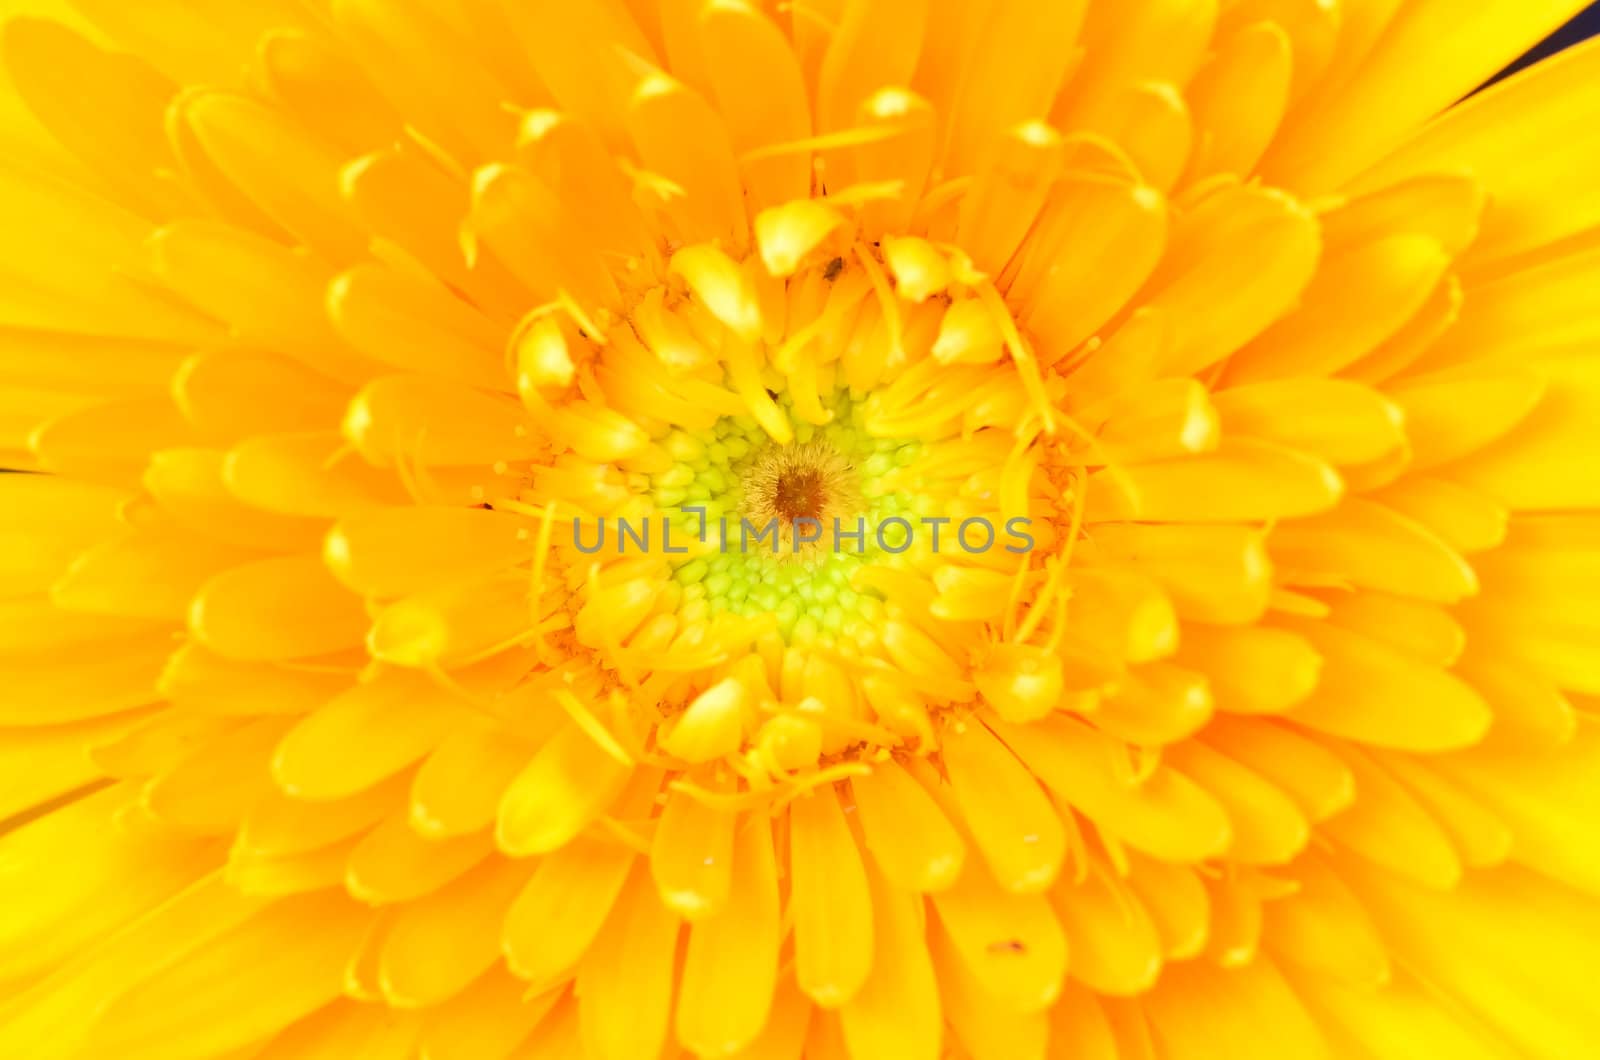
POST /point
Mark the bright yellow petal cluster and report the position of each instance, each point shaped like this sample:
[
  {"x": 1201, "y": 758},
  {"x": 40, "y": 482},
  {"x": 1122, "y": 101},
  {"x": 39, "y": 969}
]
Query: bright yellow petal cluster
[{"x": 385, "y": 674}]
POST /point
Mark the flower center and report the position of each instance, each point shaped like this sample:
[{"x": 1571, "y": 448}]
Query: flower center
[
  {"x": 806, "y": 489},
  {"x": 800, "y": 493},
  {"x": 782, "y": 529}
]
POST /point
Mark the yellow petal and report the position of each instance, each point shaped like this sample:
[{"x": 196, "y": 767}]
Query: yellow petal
[
  {"x": 761, "y": 94},
  {"x": 200, "y": 680},
  {"x": 1365, "y": 544},
  {"x": 346, "y": 1028},
  {"x": 416, "y": 327},
  {"x": 579, "y": 54},
  {"x": 569, "y": 157},
  {"x": 104, "y": 107},
  {"x": 277, "y": 875},
  {"x": 1246, "y": 1012},
  {"x": 306, "y": 474},
  {"x": 1069, "y": 281},
  {"x": 1479, "y": 834},
  {"x": 399, "y": 49},
  {"x": 1362, "y": 296},
  {"x": 109, "y": 441},
  {"x": 1016, "y": 57},
  {"x": 1022, "y": 682},
  {"x": 1528, "y": 711},
  {"x": 1541, "y": 797},
  {"x": 983, "y": 1024},
  {"x": 364, "y": 735},
  {"x": 1443, "y": 206},
  {"x": 279, "y": 824},
  {"x": 322, "y": 88},
  {"x": 1155, "y": 705},
  {"x": 1464, "y": 519},
  {"x": 1211, "y": 573},
  {"x": 64, "y": 686},
  {"x": 520, "y": 219},
  {"x": 1299, "y": 765},
  {"x": 116, "y": 879},
  {"x": 232, "y": 394},
  {"x": 1151, "y": 421},
  {"x": 276, "y": 609},
  {"x": 150, "y": 572},
  {"x": 1378, "y": 108},
  {"x": 264, "y": 292},
  {"x": 896, "y": 1014},
  {"x": 787, "y": 234},
  {"x": 626, "y": 978},
  {"x": 1540, "y": 465},
  {"x": 783, "y": 1038},
  {"x": 1017, "y": 829},
  {"x": 713, "y": 725},
  {"x": 42, "y": 764},
  {"x": 718, "y": 282},
  {"x": 1400, "y": 1016},
  {"x": 1546, "y": 103},
  {"x": 392, "y": 863},
  {"x": 872, "y": 46},
  {"x": 1150, "y": 41},
  {"x": 911, "y": 840},
  {"x": 1151, "y": 123},
  {"x": 1175, "y": 899},
  {"x": 438, "y": 945},
  {"x": 284, "y": 171},
  {"x": 1387, "y": 825},
  {"x": 900, "y": 153},
  {"x": 730, "y": 970},
  {"x": 1115, "y": 946},
  {"x": 1012, "y": 944},
  {"x": 1267, "y": 826},
  {"x": 1447, "y": 419},
  {"x": 1242, "y": 481},
  {"x": 1339, "y": 421},
  {"x": 691, "y": 856},
  {"x": 1426, "y": 631},
  {"x": 1238, "y": 98},
  {"x": 458, "y": 787},
  {"x": 396, "y": 551},
  {"x": 403, "y": 197},
  {"x": 1453, "y": 939},
  {"x": 1376, "y": 694},
  {"x": 1224, "y": 299},
  {"x": 85, "y": 265},
  {"x": 830, "y": 901},
  {"x": 1079, "y": 1029},
  {"x": 432, "y": 421},
  {"x": 1013, "y": 184},
  {"x": 1252, "y": 669},
  {"x": 559, "y": 913},
  {"x": 566, "y": 786},
  {"x": 1323, "y": 927},
  {"x": 1163, "y": 814},
  {"x": 189, "y": 486},
  {"x": 287, "y": 959},
  {"x": 680, "y": 137},
  {"x": 489, "y": 1018}
]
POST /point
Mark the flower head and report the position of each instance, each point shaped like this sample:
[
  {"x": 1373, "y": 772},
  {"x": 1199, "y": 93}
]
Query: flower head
[{"x": 839, "y": 529}]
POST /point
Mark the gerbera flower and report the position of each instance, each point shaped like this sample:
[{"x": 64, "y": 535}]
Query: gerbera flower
[{"x": 389, "y": 667}]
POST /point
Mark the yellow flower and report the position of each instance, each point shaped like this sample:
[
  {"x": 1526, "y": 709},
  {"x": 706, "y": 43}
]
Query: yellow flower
[{"x": 916, "y": 529}]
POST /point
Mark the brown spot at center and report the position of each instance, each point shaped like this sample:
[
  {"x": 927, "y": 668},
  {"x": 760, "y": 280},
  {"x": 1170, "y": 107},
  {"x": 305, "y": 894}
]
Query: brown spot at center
[{"x": 800, "y": 493}]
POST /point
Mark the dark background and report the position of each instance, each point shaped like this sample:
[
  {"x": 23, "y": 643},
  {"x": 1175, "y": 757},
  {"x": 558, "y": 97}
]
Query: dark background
[{"x": 1581, "y": 28}]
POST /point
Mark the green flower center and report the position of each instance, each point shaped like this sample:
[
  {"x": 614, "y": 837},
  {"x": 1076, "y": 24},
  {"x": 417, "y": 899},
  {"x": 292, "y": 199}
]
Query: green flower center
[{"x": 786, "y": 528}]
